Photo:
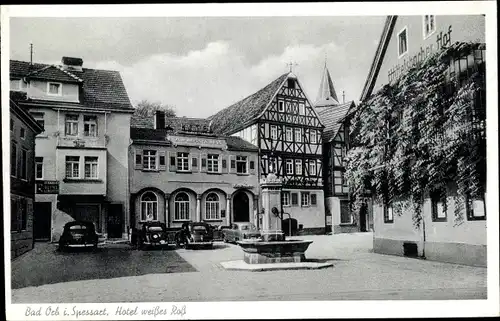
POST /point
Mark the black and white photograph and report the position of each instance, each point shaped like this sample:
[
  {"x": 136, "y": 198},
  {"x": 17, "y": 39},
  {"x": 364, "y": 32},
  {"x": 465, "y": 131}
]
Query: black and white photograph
[{"x": 279, "y": 160}]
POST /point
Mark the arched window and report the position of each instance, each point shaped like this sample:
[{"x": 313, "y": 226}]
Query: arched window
[
  {"x": 149, "y": 207},
  {"x": 181, "y": 207},
  {"x": 212, "y": 207}
]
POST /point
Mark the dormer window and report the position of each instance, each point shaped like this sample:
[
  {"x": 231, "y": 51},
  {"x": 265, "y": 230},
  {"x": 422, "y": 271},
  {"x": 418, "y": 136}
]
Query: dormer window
[{"x": 54, "y": 89}]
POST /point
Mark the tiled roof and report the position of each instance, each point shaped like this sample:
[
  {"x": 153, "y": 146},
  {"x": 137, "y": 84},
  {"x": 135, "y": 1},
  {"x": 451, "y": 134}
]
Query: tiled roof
[
  {"x": 236, "y": 116},
  {"x": 331, "y": 116},
  {"x": 148, "y": 134},
  {"x": 142, "y": 121},
  {"x": 237, "y": 143},
  {"x": 188, "y": 125},
  {"x": 102, "y": 89},
  {"x": 55, "y": 73}
]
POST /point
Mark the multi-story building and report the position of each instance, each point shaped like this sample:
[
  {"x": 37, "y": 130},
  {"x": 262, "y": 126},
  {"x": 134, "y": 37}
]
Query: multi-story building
[
  {"x": 180, "y": 171},
  {"x": 23, "y": 129},
  {"x": 405, "y": 42},
  {"x": 335, "y": 116},
  {"x": 81, "y": 165},
  {"x": 280, "y": 120}
]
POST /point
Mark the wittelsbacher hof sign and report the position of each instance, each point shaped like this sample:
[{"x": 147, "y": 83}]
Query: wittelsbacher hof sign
[
  {"x": 443, "y": 39},
  {"x": 198, "y": 142}
]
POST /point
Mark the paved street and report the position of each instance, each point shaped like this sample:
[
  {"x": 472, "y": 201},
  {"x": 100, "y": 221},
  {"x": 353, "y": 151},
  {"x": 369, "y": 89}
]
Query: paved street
[{"x": 357, "y": 274}]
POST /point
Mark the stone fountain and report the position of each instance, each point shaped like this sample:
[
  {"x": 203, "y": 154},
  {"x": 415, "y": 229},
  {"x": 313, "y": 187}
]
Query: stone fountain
[{"x": 272, "y": 251}]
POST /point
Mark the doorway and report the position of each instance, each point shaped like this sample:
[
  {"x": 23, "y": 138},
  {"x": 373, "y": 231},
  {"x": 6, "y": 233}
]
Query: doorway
[
  {"x": 115, "y": 222},
  {"x": 363, "y": 218},
  {"x": 42, "y": 217},
  {"x": 241, "y": 207}
]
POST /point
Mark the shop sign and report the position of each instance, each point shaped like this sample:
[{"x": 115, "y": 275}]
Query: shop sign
[
  {"x": 197, "y": 142},
  {"x": 47, "y": 187}
]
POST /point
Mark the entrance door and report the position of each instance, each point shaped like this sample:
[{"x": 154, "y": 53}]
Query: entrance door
[
  {"x": 241, "y": 207},
  {"x": 42, "y": 220},
  {"x": 115, "y": 222}
]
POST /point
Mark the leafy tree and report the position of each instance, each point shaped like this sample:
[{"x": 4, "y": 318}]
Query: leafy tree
[
  {"x": 420, "y": 133},
  {"x": 146, "y": 108}
]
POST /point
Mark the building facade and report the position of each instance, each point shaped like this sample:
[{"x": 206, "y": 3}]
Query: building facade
[
  {"x": 181, "y": 172},
  {"x": 405, "y": 42},
  {"x": 23, "y": 129},
  {"x": 335, "y": 115},
  {"x": 282, "y": 123},
  {"x": 81, "y": 164}
]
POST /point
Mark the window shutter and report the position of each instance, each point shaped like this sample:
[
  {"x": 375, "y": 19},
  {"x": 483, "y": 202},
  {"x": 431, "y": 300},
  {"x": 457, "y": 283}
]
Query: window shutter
[
  {"x": 138, "y": 159},
  {"x": 162, "y": 165},
  {"x": 203, "y": 162},
  {"x": 313, "y": 198},
  {"x": 252, "y": 165},
  {"x": 224, "y": 166},
  {"x": 194, "y": 161},
  {"x": 232, "y": 164},
  {"x": 295, "y": 199},
  {"x": 172, "y": 167}
]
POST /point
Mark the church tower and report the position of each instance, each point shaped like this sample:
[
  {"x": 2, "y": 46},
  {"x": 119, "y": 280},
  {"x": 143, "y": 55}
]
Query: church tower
[{"x": 326, "y": 94}]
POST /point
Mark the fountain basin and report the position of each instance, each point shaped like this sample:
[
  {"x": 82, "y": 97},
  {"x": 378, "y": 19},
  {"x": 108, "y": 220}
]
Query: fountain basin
[{"x": 262, "y": 252}]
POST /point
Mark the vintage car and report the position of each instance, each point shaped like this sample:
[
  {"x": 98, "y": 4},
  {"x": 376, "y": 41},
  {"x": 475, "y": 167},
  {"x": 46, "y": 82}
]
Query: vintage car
[
  {"x": 241, "y": 231},
  {"x": 152, "y": 234},
  {"x": 78, "y": 234},
  {"x": 195, "y": 234}
]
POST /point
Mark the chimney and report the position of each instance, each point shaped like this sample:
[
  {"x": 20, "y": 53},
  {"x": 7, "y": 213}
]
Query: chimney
[
  {"x": 159, "y": 119},
  {"x": 71, "y": 63}
]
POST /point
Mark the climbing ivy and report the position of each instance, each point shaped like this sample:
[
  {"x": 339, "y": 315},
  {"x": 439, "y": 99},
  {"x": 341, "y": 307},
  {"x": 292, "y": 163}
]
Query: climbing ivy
[{"x": 420, "y": 133}]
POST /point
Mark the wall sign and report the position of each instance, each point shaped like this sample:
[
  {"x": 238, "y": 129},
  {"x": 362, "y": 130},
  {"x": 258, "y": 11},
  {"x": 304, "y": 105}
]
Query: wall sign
[
  {"x": 198, "y": 142},
  {"x": 443, "y": 39},
  {"x": 47, "y": 187}
]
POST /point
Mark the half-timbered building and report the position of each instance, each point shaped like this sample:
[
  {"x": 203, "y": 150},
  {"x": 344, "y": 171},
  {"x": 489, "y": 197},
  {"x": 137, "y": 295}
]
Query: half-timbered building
[
  {"x": 281, "y": 121},
  {"x": 335, "y": 116}
]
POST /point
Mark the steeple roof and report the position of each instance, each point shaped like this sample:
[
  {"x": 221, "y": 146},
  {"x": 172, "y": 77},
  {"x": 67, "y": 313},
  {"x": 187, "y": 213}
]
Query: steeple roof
[{"x": 326, "y": 94}]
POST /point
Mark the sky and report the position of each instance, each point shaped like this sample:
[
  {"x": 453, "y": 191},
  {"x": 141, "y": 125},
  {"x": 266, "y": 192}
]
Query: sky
[{"x": 200, "y": 65}]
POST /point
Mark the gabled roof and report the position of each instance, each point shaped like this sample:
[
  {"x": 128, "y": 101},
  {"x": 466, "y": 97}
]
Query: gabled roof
[
  {"x": 237, "y": 143},
  {"x": 240, "y": 114},
  {"x": 23, "y": 115},
  {"x": 326, "y": 93},
  {"x": 385, "y": 38},
  {"x": 101, "y": 89},
  {"x": 332, "y": 117}
]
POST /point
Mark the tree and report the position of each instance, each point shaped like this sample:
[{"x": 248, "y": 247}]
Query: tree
[
  {"x": 146, "y": 108},
  {"x": 422, "y": 132}
]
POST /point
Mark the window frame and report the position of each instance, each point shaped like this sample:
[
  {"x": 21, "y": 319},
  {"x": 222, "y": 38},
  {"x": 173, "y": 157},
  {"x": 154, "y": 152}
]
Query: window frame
[
  {"x": 273, "y": 132},
  {"x": 76, "y": 160},
  {"x": 182, "y": 158},
  {"x": 298, "y": 162},
  {"x": 281, "y": 106},
  {"x": 24, "y": 164},
  {"x": 240, "y": 160},
  {"x": 59, "y": 91},
  {"x": 213, "y": 164},
  {"x": 286, "y": 199},
  {"x": 74, "y": 124},
  {"x": 351, "y": 216},
  {"x": 39, "y": 161},
  {"x": 405, "y": 30},
  {"x": 22, "y": 133},
  {"x": 211, "y": 205},
  {"x": 297, "y": 138},
  {"x": 302, "y": 108},
  {"x": 149, "y": 204},
  {"x": 90, "y": 161},
  {"x": 183, "y": 205},
  {"x": 313, "y": 163},
  {"x": 469, "y": 212},
  {"x": 149, "y": 155},
  {"x": 388, "y": 209},
  {"x": 289, "y": 134},
  {"x": 312, "y": 133},
  {"x": 307, "y": 198},
  {"x": 87, "y": 122},
  {"x": 291, "y": 163},
  {"x": 436, "y": 205},
  {"x": 424, "y": 26}
]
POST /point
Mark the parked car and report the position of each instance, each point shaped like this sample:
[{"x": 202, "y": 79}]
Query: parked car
[
  {"x": 78, "y": 234},
  {"x": 241, "y": 231},
  {"x": 195, "y": 234},
  {"x": 152, "y": 234}
]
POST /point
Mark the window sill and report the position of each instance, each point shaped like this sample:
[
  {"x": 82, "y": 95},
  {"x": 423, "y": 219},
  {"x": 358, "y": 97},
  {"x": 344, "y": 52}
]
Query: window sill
[
  {"x": 480, "y": 218},
  {"x": 214, "y": 173},
  {"x": 242, "y": 174},
  {"x": 82, "y": 180},
  {"x": 149, "y": 170},
  {"x": 437, "y": 219}
]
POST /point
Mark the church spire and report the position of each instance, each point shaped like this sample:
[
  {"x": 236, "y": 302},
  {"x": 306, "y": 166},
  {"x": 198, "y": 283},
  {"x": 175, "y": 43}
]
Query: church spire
[{"x": 326, "y": 94}]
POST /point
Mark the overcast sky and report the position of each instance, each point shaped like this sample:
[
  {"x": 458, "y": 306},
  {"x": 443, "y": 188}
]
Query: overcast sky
[{"x": 201, "y": 65}]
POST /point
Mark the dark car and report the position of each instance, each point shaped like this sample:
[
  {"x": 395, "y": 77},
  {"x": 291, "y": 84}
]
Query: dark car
[
  {"x": 152, "y": 234},
  {"x": 78, "y": 234},
  {"x": 195, "y": 234}
]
